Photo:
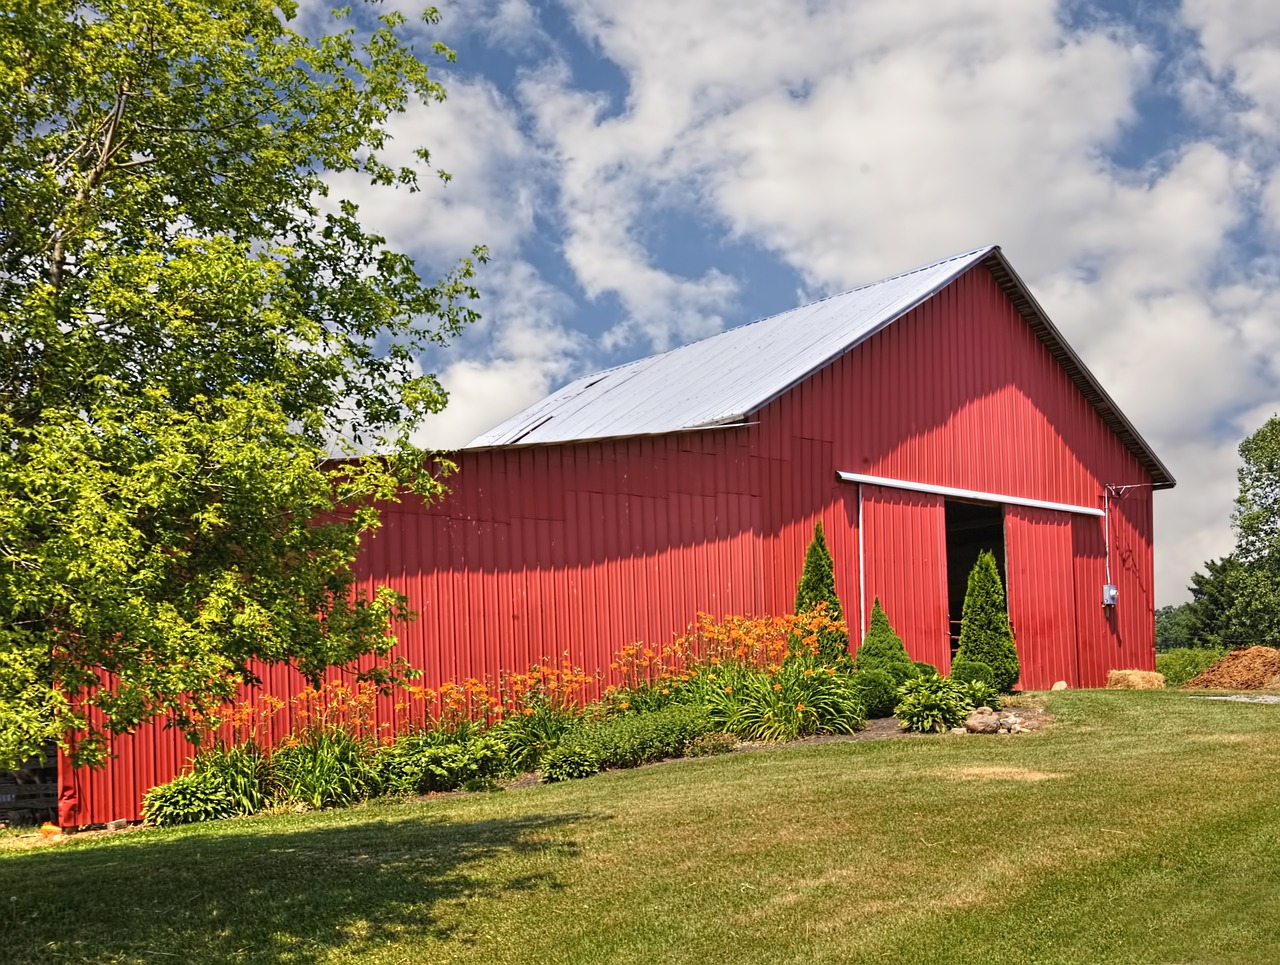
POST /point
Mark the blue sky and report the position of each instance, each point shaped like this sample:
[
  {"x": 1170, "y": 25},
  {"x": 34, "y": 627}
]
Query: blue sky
[{"x": 648, "y": 173}]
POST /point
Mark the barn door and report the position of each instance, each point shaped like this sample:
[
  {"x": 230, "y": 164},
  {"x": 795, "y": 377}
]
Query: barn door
[
  {"x": 904, "y": 547},
  {"x": 1042, "y": 597}
]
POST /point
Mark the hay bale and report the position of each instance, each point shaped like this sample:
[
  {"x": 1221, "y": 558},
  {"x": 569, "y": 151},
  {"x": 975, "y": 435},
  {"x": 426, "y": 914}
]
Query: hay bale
[{"x": 1135, "y": 680}]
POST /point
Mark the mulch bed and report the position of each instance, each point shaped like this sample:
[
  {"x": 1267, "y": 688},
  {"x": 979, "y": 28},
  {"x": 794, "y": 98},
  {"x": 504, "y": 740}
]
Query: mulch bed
[{"x": 1257, "y": 668}]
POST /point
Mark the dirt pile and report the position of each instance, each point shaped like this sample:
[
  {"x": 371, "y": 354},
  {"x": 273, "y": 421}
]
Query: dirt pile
[{"x": 1256, "y": 668}]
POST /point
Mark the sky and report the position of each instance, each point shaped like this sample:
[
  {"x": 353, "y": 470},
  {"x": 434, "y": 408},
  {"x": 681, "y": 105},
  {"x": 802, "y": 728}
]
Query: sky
[{"x": 648, "y": 173}]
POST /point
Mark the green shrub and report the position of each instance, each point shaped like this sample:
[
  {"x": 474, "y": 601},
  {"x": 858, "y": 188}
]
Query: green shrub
[
  {"x": 568, "y": 764},
  {"x": 187, "y": 799},
  {"x": 716, "y": 742},
  {"x": 882, "y": 648},
  {"x": 1179, "y": 666},
  {"x": 420, "y": 763},
  {"x": 636, "y": 739},
  {"x": 323, "y": 768},
  {"x": 528, "y": 737},
  {"x": 985, "y": 635},
  {"x": 925, "y": 669},
  {"x": 967, "y": 670},
  {"x": 878, "y": 692},
  {"x": 818, "y": 586},
  {"x": 933, "y": 704},
  {"x": 241, "y": 771},
  {"x": 981, "y": 694},
  {"x": 802, "y": 698}
]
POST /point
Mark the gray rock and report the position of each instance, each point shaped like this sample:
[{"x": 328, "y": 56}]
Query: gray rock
[{"x": 980, "y": 723}]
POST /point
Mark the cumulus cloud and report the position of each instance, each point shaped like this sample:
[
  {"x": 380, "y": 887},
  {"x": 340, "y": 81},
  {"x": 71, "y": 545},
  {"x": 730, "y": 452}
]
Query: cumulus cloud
[
  {"x": 856, "y": 138},
  {"x": 525, "y": 350}
]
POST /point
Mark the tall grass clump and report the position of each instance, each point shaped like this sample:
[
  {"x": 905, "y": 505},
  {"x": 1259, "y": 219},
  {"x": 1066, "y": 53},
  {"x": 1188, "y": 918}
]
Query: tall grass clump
[{"x": 1180, "y": 665}]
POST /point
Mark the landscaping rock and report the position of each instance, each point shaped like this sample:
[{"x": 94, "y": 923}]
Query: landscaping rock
[
  {"x": 979, "y": 722},
  {"x": 1031, "y": 725},
  {"x": 1060, "y": 685},
  {"x": 957, "y": 730},
  {"x": 1135, "y": 680}
]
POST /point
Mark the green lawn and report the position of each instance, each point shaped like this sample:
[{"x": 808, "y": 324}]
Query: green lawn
[{"x": 1141, "y": 828}]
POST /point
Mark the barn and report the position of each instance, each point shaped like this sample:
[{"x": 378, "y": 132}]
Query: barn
[{"x": 921, "y": 418}]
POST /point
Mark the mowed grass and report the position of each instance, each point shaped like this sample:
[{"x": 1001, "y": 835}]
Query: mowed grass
[{"x": 1140, "y": 828}]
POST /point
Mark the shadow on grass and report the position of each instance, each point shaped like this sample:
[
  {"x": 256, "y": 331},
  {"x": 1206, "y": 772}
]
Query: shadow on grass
[{"x": 255, "y": 892}]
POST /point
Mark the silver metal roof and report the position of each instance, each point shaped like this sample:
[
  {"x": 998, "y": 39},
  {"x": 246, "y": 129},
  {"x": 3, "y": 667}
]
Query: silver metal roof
[{"x": 722, "y": 379}]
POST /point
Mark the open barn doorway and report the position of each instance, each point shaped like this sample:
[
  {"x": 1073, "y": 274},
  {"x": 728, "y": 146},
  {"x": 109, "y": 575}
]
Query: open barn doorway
[{"x": 971, "y": 528}]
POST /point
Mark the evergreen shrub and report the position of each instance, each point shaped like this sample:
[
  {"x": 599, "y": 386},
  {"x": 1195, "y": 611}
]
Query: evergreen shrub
[
  {"x": 818, "y": 586},
  {"x": 926, "y": 669},
  {"x": 877, "y": 690},
  {"x": 967, "y": 670},
  {"x": 985, "y": 634},
  {"x": 882, "y": 648}
]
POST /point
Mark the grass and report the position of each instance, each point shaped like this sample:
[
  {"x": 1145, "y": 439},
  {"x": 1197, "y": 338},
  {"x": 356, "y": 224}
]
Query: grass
[{"x": 1141, "y": 828}]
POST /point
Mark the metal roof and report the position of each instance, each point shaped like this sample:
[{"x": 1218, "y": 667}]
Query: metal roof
[{"x": 723, "y": 379}]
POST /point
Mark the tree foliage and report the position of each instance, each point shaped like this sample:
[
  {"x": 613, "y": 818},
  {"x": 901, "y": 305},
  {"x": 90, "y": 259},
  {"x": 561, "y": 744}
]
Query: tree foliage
[
  {"x": 1235, "y": 602},
  {"x": 985, "y": 634},
  {"x": 818, "y": 585},
  {"x": 190, "y": 331}
]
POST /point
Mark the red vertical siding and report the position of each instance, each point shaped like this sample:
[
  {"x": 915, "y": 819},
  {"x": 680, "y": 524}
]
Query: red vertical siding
[
  {"x": 906, "y": 568},
  {"x": 1040, "y": 571},
  {"x": 581, "y": 549}
]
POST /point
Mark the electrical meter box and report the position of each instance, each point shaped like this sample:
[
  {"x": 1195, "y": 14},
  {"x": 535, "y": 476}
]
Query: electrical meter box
[{"x": 1109, "y": 594}]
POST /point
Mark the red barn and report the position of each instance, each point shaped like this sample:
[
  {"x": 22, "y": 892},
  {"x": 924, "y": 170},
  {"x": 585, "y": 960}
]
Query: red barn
[{"x": 921, "y": 418}]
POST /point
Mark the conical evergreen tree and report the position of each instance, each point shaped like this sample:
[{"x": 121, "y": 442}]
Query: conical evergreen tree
[
  {"x": 985, "y": 635},
  {"x": 882, "y": 648},
  {"x": 818, "y": 585}
]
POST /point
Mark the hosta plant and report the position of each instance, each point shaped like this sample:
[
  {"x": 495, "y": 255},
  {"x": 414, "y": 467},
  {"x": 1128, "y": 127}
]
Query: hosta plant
[
  {"x": 933, "y": 704},
  {"x": 187, "y": 799}
]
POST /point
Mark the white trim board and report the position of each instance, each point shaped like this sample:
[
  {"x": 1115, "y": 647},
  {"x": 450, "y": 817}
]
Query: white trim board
[{"x": 857, "y": 477}]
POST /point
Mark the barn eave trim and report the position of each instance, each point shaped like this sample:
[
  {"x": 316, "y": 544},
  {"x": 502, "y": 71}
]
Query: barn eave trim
[{"x": 955, "y": 493}]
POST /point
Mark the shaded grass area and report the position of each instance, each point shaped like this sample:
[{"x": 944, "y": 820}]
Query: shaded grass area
[{"x": 1139, "y": 829}]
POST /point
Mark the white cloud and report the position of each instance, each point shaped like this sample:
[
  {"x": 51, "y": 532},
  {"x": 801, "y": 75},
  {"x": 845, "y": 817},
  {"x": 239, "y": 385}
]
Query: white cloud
[
  {"x": 1241, "y": 44},
  {"x": 858, "y": 139},
  {"x": 526, "y": 351}
]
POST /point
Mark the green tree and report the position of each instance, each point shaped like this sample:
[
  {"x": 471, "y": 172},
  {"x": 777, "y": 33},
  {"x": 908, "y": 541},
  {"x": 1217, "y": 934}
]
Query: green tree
[
  {"x": 1174, "y": 627},
  {"x": 818, "y": 585},
  {"x": 1236, "y": 600},
  {"x": 985, "y": 635},
  {"x": 190, "y": 332},
  {"x": 882, "y": 648}
]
